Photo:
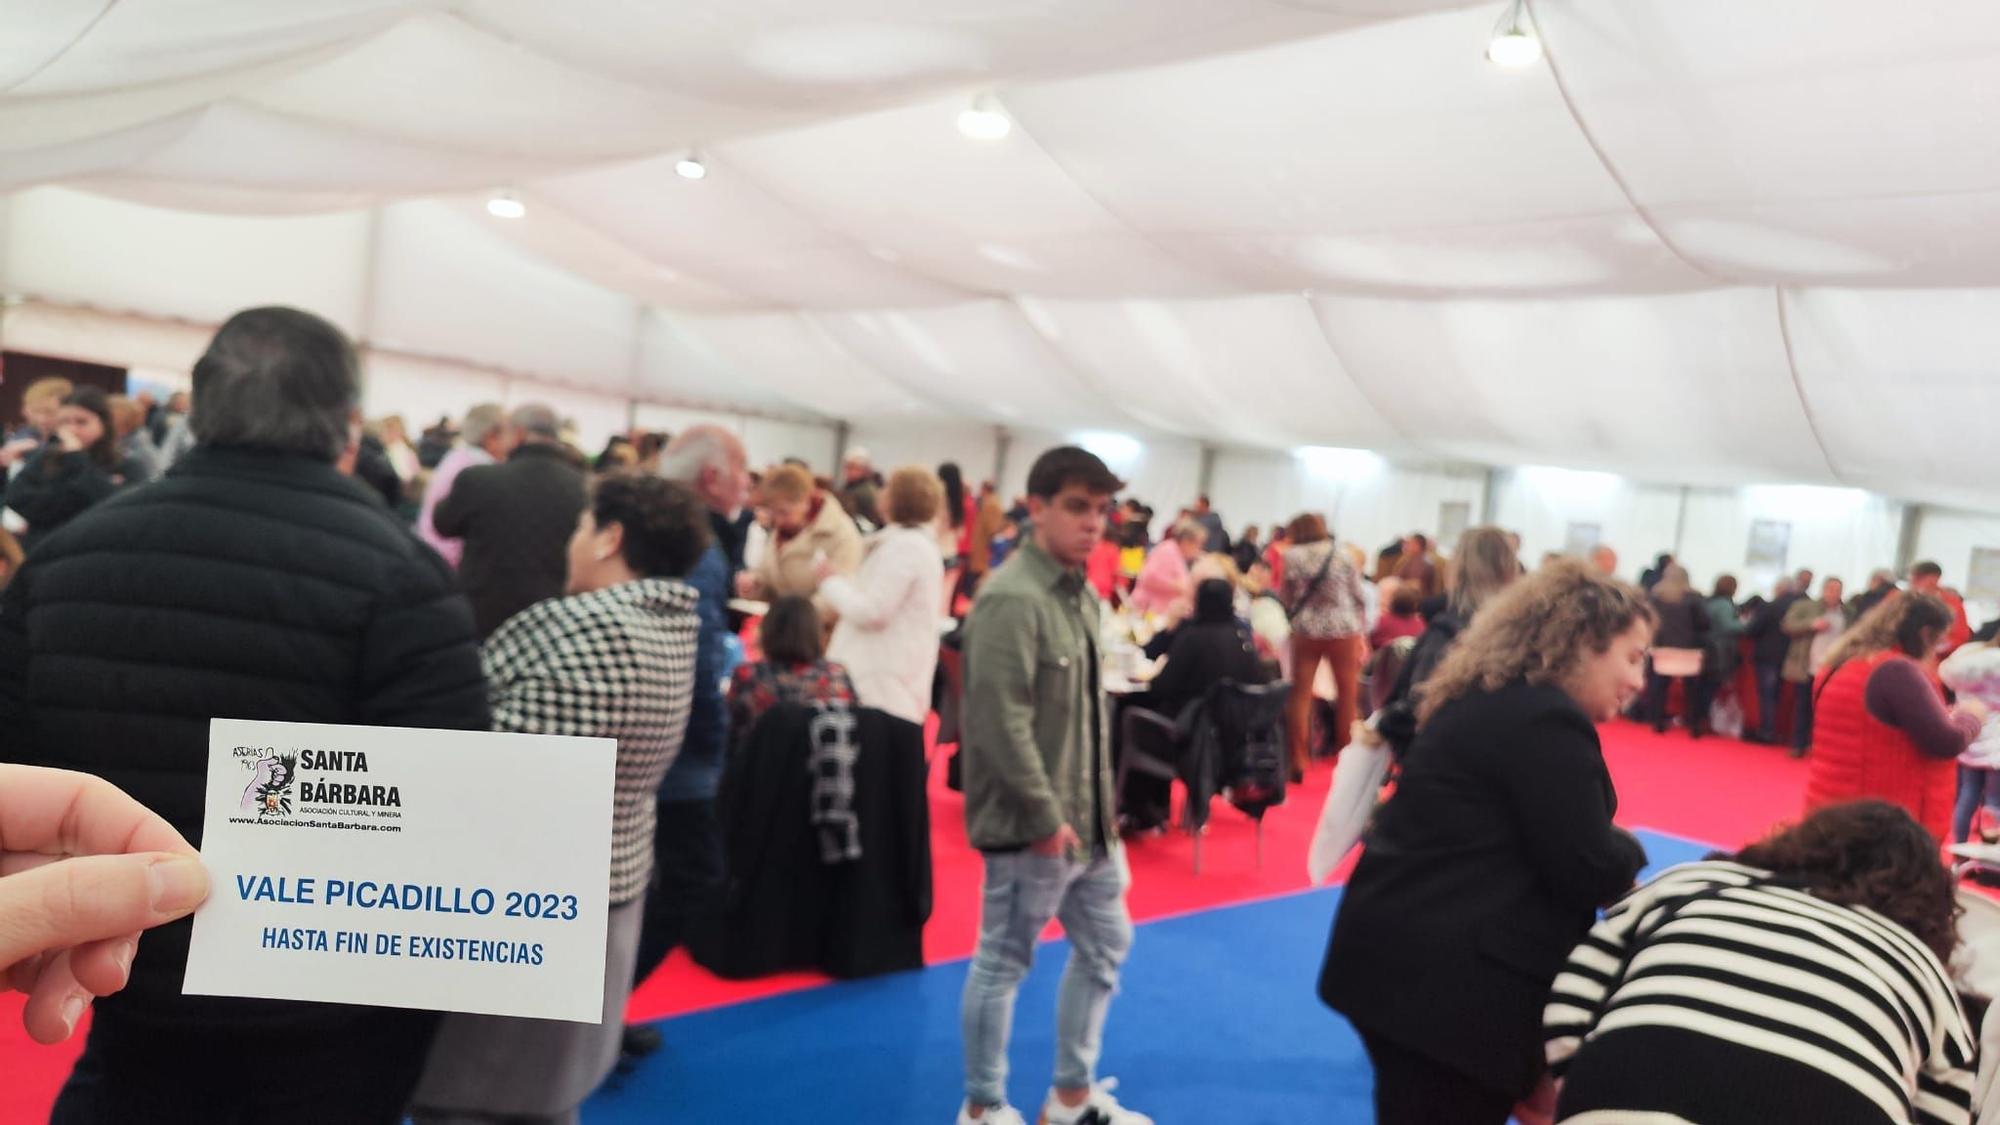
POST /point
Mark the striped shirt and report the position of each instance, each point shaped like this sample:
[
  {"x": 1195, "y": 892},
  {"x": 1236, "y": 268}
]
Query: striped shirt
[
  {"x": 613, "y": 663},
  {"x": 1718, "y": 994}
]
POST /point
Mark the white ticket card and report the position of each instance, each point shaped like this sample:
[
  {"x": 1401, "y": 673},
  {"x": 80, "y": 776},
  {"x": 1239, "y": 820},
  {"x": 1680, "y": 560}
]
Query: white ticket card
[{"x": 453, "y": 870}]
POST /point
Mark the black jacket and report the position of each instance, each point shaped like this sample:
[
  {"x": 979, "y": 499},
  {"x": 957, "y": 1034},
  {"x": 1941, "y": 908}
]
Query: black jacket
[
  {"x": 55, "y": 487},
  {"x": 242, "y": 585},
  {"x": 1683, "y": 624},
  {"x": 1767, "y": 631},
  {"x": 1480, "y": 876},
  {"x": 1202, "y": 655},
  {"x": 731, "y": 535},
  {"x": 1396, "y": 722},
  {"x": 785, "y": 908},
  {"x": 516, "y": 520}
]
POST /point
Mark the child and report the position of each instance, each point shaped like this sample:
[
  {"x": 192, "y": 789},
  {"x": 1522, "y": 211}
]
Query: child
[{"x": 1974, "y": 670}]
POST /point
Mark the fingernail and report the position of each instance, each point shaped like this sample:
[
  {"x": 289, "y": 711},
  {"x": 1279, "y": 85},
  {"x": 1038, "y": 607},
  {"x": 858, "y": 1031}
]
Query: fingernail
[
  {"x": 72, "y": 1011},
  {"x": 179, "y": 884},
  {"x": 124, "y": 956}
]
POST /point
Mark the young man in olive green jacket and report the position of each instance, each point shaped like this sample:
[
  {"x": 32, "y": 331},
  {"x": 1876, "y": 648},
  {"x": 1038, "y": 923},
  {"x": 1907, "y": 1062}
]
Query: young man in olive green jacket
[{"x": 1039, "y": 798}]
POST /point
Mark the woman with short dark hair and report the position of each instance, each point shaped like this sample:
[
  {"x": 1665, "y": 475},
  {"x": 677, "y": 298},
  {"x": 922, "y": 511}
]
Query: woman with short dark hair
[
  {"x": 794, "y": 668},
  {"x": 615, "y": 658},
  {"x": 1803, "y": 981}
]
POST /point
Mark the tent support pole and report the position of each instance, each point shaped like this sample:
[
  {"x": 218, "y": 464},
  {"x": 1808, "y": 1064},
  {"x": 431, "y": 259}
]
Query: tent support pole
[
  {"x": 1003, "y": 442},
  {"x": 1681, "y": 522},
  {"x": 1906, "y": 537}
]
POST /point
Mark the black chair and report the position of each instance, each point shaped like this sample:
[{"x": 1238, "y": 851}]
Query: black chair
[
  {"x": 1149, "y": 745},
  {"x": 1233, "y": 739},
  {"x": 1249, "y": 724}
]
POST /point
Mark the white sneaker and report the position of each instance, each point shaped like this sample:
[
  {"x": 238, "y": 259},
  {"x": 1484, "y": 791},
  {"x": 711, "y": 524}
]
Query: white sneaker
[
  {"x": 994, "y": 1115},
  {"x": 1100, "y": 1108}
]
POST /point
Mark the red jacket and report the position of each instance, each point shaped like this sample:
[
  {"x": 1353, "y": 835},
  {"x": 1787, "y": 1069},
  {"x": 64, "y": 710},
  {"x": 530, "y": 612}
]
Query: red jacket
[
  {"x": 1857, "y": 755},
  {"x": 1961, "y": 628},
  {"x": 1102, "y": 569}
]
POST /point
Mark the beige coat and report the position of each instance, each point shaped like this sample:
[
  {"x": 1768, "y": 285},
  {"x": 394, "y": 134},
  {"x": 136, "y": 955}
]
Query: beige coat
[{"x": 787, "y": 569}]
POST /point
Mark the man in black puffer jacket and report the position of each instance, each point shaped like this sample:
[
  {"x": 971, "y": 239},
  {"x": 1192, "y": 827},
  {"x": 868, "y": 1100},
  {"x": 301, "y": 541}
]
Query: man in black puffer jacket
[{"x": 253, "y": 582}]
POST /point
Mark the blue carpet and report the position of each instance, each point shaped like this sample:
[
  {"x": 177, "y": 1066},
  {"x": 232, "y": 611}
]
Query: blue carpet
[{"x": 1217, "y": 1023}]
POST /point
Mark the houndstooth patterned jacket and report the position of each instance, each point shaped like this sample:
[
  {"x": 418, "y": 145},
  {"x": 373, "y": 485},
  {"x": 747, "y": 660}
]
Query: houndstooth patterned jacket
[{"x": 613, "y": 663}]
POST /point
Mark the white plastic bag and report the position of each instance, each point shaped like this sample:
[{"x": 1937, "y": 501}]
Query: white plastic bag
[
  {"x": 1357, "y": 782},
  {"x": 1725, "y": 716}
]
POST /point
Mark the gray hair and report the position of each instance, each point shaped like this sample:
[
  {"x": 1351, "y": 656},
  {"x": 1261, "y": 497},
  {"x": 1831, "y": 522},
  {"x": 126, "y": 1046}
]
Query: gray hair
[
  {"x": 537, "y": 420},
  {"x": 696, "y": 448},
  {"x": 481, "y": 421},
  {"x": 1483, "y": 565},
  {"x": 279, "y": 379}
]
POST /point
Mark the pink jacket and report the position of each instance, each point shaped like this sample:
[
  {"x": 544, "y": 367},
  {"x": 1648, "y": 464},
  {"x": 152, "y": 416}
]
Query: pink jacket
[
  {"x": 1163, "y": 581},
  {"x": 457, "y": 461}
]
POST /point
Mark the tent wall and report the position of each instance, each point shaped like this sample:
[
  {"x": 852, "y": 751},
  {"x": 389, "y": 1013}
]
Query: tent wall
[
  {"x": 1542, "y": 504},
  {"x": 1949, "y": 537},
  {"x": 1164, "y": 473},
  {"x": 1365, "y": 501},
  {"x": 892, "y": 444},
  {"x": 66, "y": 246},
  {"x": 1837, "y": 532}
]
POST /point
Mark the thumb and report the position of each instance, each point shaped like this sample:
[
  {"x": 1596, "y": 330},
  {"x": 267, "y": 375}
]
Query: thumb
[{"x": 88, "y": 898}]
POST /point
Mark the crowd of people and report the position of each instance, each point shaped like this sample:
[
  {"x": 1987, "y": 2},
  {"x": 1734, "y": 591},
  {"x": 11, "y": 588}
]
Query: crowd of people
[{"x": 256, "y": 551}]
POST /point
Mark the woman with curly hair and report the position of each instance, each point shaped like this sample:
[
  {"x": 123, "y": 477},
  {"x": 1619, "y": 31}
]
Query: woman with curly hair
[
  {"x": 1801, "y": 982},
  {"x": 1883, "y": 728},
  {"x": 1491, "y": 860}
]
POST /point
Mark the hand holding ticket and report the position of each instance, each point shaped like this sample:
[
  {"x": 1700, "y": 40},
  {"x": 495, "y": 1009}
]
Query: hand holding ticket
[{"x": 461, "y": 871}]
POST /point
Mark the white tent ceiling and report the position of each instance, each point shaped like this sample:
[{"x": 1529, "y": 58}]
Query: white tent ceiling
[{"x": 1706, "y": 241}]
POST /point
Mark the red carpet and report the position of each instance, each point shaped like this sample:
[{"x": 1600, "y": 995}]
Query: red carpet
[{"x": 1717, "y": 791}]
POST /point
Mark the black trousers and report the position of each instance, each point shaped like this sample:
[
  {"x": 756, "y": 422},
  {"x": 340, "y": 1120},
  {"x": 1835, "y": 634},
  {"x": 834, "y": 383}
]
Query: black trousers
[
  {"x": 1697, "y": 692},
  {"x": 1415, "y": 1089},
  {"x": 357, "y": 1067},
  {"x": 688, "y": 873}
]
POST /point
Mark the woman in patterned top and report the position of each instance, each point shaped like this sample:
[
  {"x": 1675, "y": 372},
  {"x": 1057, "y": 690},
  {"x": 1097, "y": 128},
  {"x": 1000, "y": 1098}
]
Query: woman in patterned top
[
  {"x": 614, "y": 659},
  {"x": 1322, "y": 590},
  {"x": 794, "y": 668}
]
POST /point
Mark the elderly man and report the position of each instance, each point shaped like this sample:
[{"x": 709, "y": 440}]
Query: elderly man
[
  {"x": 687, "y": 838},
  {"x": 268, "y": 586},
  {"x": 516, "y": 520},
  {"x": 488, "y": 440},
  {"x": 1881, "y": 587}
]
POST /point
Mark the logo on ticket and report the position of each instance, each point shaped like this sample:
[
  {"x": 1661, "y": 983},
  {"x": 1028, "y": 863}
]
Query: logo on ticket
[{"x": 293, "y": 785}]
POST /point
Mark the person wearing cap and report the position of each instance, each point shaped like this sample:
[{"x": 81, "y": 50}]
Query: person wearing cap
[{"x": 861, "y": 488}]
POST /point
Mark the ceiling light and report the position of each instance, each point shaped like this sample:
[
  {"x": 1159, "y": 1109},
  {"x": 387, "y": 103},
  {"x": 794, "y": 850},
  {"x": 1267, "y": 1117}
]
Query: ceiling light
[
  {"x": 1336, "y": 463},
  {"x": 690, "y": 166},
  {"x": 984, "y": 120},
  {"x": 1515, "y": 44},
  {"x": 505, "y": 205}
]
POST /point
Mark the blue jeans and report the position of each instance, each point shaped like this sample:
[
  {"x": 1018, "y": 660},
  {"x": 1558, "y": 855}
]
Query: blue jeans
[
  {"x": 1974, "y": 785},
  {"x": 1023, "y": 892},
  {"x": 1769, "y": 677}
]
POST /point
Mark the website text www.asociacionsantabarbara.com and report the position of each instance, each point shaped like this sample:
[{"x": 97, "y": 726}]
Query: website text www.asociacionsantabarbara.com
[{"x": 360, "y": 826}]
